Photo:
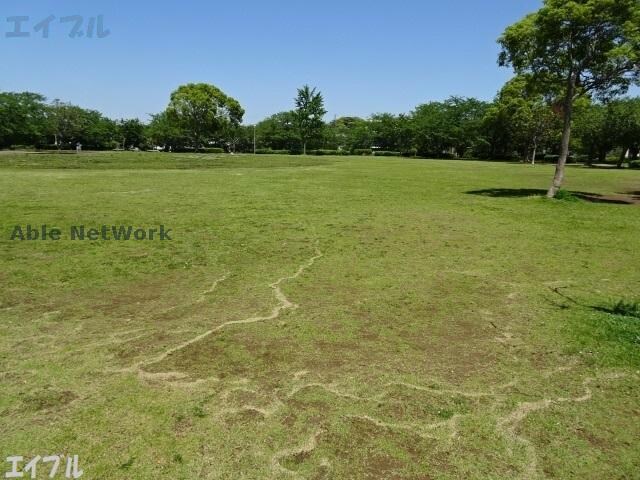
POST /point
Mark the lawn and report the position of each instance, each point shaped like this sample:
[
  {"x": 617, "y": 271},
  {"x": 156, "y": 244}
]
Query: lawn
[{"x": 320, "y": 318}]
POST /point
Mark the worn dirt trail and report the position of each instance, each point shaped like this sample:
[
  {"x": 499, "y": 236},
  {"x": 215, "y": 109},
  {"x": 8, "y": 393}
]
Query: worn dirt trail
[{"x": 284, "y": 304}]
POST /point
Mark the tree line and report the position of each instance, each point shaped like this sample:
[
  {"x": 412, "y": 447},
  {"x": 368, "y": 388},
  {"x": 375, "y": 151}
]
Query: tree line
[{"x": 518, "y": 124}]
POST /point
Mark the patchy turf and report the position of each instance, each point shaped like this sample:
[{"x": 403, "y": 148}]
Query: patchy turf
[{"x": 320, "y": 318}]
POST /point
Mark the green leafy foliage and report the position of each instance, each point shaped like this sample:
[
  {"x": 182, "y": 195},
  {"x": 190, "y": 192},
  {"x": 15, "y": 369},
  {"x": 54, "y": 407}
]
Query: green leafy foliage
[
  {"x": 23, "y": 119},
  {"x": 308, "y": 115},
  {"x": 268, "y": 151},
  {"x": 131, "y": 133},
  {"x": 362, "y": 151},
  {"x": 203, "y": 112},
  {"x": 573, "y": 48},
  {"x": 277, "y": 132},
  {"x": 520, "y": 120},
  {"x": 384, "y": 153},
  {"x": 452, "y": 127}
]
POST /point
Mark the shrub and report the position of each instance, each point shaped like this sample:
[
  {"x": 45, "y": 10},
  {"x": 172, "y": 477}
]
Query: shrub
[
  {"x": 362, "y": 151},
  {"x": 410, "y": 153},
  {"x": 111, "y": 145},
  {"x": 384, "y": 153},
  {"x": 566, "y": 195},
  {"x": 213, "y": 150},
  {"x": 325, "y": 152},
  {"x": 634, "y": 164},
  {"x": 555, "y": 158},
  {"x": 268, "y": 151},
  {"x": 21, "y": 147}
]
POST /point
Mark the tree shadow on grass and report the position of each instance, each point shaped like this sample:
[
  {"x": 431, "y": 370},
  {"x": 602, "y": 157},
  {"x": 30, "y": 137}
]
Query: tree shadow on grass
[
  {"x": 621, "y": 307},
  {"x": 626, "y": 199},
  {"x": 508, "y": 192},
  {"x": 614, "y": 199},
  {"x": 601, "y": 166}
]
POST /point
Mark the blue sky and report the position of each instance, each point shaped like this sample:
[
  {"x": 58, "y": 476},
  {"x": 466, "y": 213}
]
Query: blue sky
[{"x": 365, "y": 56}]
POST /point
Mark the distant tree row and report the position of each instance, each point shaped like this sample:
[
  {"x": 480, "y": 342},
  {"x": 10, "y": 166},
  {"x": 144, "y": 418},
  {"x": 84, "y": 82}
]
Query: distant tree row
[
  {"x": 518, "y": 124},
  {"x": 198, "y": 115},
  {"x": 26, "y": 119}
]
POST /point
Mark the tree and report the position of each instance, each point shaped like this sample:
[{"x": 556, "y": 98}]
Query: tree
[
  {"x": 23, "y": 119},
  {"x": 97, "y": 132},
  {"x": 463, "y": 120},
  {"x": 165, "y": 132},
  {"x": 528, "y": 120},
  {"x": 391, "y": 132},
  {"x": 496, "y": 140},
  {"x": 624, "y": 118},
  {"x": 66, "y": 123},
  {"x": 239, "y": 138},
  {"x": 308, "y": 115},
  {"x": 131, "y": 133},
  {"x": 593, "y": 135},
  {"x": 203, "y": 111},
  {"x": 278, "y": 132},
  {"x": 576, "y": 47},
  {"x": 69, "y": 124},
  {"x": 430, "y": 126},
  {"x": 349, "y": 133},
  {"x": 448, "y": 128}
]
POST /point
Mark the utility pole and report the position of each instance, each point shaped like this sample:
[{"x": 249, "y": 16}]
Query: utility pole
[{"x": 254, "y": 139}]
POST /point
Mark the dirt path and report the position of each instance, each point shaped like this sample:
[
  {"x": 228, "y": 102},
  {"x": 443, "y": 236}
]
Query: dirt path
[{"x": 284, "y": 304}]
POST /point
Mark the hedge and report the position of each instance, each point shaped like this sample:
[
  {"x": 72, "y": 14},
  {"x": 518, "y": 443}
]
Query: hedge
[
  {"x": 327, "y": 152},
  {"x": 362, "y": 151},
  {"x": 384, "y": 153},
  {"x": 268, "y": 151}
]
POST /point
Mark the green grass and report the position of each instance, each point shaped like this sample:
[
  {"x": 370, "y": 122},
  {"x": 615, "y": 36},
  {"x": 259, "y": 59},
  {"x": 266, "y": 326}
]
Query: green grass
[
  {"x": 147, "y": 160},
  {"x": 450, "y": 322}
]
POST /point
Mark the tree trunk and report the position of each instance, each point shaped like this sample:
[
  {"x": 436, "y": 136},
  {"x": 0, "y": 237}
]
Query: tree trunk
[
  {"x": 623, "y": 156},
  {"x": 535, "y": 151},
  {"x": 304, "y": 148},
  {"x": 566, "y": 137}
]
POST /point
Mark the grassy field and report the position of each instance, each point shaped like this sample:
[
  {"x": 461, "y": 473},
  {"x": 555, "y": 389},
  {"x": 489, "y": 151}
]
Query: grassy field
[{"x": 320, "y": 318}]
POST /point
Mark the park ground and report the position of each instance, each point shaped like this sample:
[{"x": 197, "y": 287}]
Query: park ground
[{"x": 321, "y": 318}]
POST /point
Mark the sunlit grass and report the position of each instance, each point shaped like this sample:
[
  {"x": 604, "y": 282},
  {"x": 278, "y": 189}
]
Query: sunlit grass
[{"x": 422, "y": 306}]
